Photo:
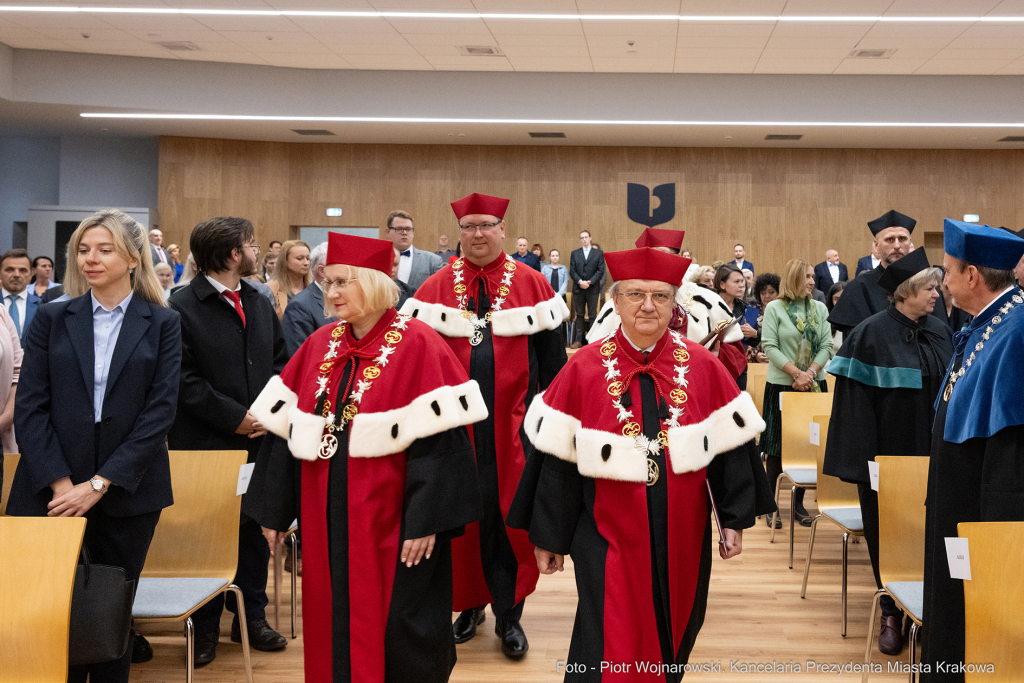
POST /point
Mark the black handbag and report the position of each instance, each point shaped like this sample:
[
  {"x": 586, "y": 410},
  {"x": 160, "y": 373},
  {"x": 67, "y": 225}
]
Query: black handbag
[{"x": 101, "y": 613}]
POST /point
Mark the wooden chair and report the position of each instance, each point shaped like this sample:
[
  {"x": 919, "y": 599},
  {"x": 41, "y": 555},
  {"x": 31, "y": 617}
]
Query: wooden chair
[
  {"x": 10, "y": 465},
  {"x": 757, "y": 377},
  {"x": 839, "y": 503},
  {"x": 902, "y": 488},
  {"x": 799, "y": 457},
  {"x": 293, "y": 536},
  {"x": 992, "y": 600},
  {"x": 194, "y": 554},
  {"x": 36, "y": 581}
]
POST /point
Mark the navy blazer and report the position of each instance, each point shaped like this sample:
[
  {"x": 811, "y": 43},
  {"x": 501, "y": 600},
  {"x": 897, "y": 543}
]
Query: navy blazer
[
  {"x": 55, "y": 418},
  {"x": 823, "y": 276},
  {"x": 864, "y": 263},
  {"x": 303, "y": 316}
]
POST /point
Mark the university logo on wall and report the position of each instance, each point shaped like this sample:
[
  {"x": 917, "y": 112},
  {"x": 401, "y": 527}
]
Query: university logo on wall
[{"x": 638, "y": 204}]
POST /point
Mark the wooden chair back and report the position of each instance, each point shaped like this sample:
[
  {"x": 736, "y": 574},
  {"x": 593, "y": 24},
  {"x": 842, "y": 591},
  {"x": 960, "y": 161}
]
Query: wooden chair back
[
  {"x": 757, "y": 377},
  {"x": 832, "y": 491},
  {"x": 992, "y": 600},
  {"x": 902, "y": 487},
  {"x": 38, "y": 557},
  {"x": 798, "y": 409},
  {"x": 198, "y": 535},
  {"x": 10, "y": 465}
]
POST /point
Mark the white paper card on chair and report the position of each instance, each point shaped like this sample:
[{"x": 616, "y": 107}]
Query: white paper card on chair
[
  {"x": 959, "y": 558},
  {"x": 873, "y": 474},
  {"x": 244, "y": 475},
  {"x": 815, "y": 434}
]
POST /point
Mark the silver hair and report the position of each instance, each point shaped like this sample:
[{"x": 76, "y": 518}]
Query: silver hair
[{"x": 317, "y": 256}]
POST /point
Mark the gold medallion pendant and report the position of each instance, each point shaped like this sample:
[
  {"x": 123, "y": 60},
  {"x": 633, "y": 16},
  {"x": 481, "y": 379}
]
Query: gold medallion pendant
[
  {"x": 328, "y": 446},
  {"x": 631, "y": 429},
  {"x": 652, "y": 472},
  {"x": 478, "y": 336}
]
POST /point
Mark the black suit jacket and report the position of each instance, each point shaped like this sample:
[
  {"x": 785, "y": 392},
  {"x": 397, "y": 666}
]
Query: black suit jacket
[
  {"x": 224, "y": 365},
  {"x": 303, "y": 316},
  {"x": 823, "y": 276},
  {"x": 55, "y": 418},
  {"x": 591, "y": 269}
]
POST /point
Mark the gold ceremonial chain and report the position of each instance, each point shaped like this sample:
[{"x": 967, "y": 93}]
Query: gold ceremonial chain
[
  {"x": 624, "y": 415},
  {"x": 329, "y": 442},
  {"x": 1018, "y": 299},
  {"x": 462, "y": 297}
]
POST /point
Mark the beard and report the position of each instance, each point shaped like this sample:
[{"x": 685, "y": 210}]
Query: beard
[{"x": 247, "y": 266}]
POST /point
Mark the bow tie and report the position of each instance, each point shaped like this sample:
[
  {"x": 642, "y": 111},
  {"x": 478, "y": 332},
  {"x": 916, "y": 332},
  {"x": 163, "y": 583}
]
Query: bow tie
[
  {"x": 407, "y": 252},
  {"x": 960, "y": 341}
]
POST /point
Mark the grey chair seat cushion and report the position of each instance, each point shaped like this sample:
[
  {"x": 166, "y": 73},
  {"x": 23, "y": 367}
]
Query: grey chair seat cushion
[
  {"x": 802, "y": 476},
  {"x": 910, "y": 594},
  {"x": 848, "y": 517},
  {"x": 175, "y": 597}
]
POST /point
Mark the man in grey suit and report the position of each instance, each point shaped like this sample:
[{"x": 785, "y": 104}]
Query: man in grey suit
[
  {"x": 415, "y": 265},
  {"x": 305, "y": 312},
  {"x": 156, "y": 240}
]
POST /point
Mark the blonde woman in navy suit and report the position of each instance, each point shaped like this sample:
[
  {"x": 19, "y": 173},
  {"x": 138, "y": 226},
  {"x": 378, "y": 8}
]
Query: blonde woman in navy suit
[{"x": 106, "y": 361}]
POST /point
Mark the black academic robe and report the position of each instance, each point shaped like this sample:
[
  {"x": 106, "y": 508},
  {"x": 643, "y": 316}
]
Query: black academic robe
[
  {"x": 864, "y": 297},
  {"x": 888, "y": 373}
]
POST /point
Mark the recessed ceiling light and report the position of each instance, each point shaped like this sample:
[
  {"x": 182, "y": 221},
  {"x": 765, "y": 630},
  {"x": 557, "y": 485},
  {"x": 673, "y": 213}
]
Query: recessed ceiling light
[
  {"x": 782, "y": 137},
  {"x": 1011, "y": 138},
  {"x": 871, "y": 54},
  {"x": 554, "y": 123}
]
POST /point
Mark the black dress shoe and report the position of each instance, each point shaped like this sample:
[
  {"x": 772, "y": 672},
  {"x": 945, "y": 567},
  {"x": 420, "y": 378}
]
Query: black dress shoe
[
  {"x": 142, "y": 651},
  {"x": 465, "y": 625},
  {"x": 261, "y": 636},
  {"x": 205, "y": 648},
  {"x": 513, "y": 639}
]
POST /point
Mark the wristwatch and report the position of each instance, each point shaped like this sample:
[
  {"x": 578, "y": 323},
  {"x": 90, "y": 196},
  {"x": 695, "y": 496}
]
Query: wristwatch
[{"x": 97, "y": 485}]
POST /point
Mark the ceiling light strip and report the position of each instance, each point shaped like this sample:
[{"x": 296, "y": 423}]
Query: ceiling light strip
[
  {"x": 486, "y": 16},
  {"x": 549, "y": 122}
]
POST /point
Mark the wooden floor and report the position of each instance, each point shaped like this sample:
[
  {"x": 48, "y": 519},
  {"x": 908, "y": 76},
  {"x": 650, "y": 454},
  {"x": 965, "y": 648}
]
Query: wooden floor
[{"x": 755, "y": 615}]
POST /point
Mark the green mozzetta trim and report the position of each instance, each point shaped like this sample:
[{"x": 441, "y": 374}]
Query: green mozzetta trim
[{"x": 883, "y": 378}]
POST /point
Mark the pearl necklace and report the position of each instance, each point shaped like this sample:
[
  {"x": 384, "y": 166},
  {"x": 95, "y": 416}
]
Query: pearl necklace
[
  {"x": 462, "y": 297},
  {"x": 1006, "y": 308},
  {"x": 329, "y": 442}
]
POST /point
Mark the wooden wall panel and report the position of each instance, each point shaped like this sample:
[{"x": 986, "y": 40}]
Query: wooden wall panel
[{"x": 781, "y": 203}]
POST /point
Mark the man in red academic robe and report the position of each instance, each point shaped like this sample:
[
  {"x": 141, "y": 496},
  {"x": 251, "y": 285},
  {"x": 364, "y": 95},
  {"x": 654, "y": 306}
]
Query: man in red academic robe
[
  {"x": 502, "y": 320},
  {"x": 629, "y": 440}
]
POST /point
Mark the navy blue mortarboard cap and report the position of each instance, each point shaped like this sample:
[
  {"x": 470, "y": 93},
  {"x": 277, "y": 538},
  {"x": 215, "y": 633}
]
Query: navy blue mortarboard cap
[
  {"x": 900, "y": 271},
  {"x": 891, "y": 219},
  {"x": 980, "y": 245}
]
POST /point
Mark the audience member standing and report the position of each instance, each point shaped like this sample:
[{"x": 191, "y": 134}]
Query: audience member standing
[
  {"x": 766, "y": 290},
  {"x": 231, "y": 347},
  {"x": 305, "y": 313},
  {"x": 21, "y": 302},
  {"x": 10, "y": 369},
  {"x": 556, "y": 274},
  {"x": 174, "y": 251},
  {"x": 274, "y": 249},
  {"x": 586, "y": 269},
  {"x": 416, "y": 265},
  {"x": 798, "y": 342},
  {"x": 730, "y": 284},
  {"x": 405, "y": 292},
  {"x": 267, "y": 269},
  {"x": 830, "y": 272},
  {"x": 291, "y": 274},
  {"x": 442, "y": 249},
  {"x": 118, "y": 330},
  {"x": 165, "y": 274},
  {"x": 524, "y": 255},
  {"x": 42, "y": 275},
  {"x": 869, "y": 262},
  {"x": 739, "y": 254},
  {"x": 156, "y": 240}
]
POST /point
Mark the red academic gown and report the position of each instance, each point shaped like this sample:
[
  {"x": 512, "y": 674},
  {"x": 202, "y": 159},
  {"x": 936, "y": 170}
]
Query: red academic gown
[
  {"x": 520, "y": 352},
  {"x": 640, "y": 544},
  {"x": 398, "y": 474}
]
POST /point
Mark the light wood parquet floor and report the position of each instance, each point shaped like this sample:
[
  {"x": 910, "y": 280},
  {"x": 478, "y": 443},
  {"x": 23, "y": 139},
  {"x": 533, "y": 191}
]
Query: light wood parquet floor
[{"x": 755, "y": 614}]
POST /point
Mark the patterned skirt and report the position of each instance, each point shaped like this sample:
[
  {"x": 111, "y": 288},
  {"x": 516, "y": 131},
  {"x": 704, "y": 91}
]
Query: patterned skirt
[{"x": 771, "y": 437}]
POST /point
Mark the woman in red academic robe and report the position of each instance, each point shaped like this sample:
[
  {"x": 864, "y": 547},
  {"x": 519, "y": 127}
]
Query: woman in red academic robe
[{"x": 375, "y": 409}]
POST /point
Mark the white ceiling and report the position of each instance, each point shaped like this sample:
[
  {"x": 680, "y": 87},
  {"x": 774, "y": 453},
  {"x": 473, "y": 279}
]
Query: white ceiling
[{"x": 431, "y": 43}]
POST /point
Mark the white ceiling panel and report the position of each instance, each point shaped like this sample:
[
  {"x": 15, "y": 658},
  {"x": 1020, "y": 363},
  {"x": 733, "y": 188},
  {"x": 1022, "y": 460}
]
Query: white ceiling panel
[
  {"x": 526, "y": 6},
  {"x": 307, "y": 61},
  {"x": 452, "y": 39},
  {"x": 243, "y": 23},
  {"x": 275, "y": 48},
  {"x": 346, "y": 25},
  {"x": 423, "y": 5},
  {"x": 634, "y": 6},
  {"x": 639, "y": 42},
  {"x": 1015, "y": 68},
  {"x": 970, "y": 8},
  {"x": 387, "y": 62},
  {"x": 727, "y": 7},
  {"x": 230, "y": 57},
  {"x": 980, "y": 67},
  {"x": 75, "y": 35},
  {"x": 504, "y": 66},
  {"x": 414, "y": 26},
  {"x": 906, "y": 53},
  {"x": 543, "y": 51},
  {"x": 148, "y": 22},
  {"x": 1009, "y": 8},
  {"x": 526, "y": 39},
  {"x": 752, "y": 29},
  {"x": 24, "y": 39},
  {"x": 262, "y": 37},
  {"x": 836, "y": 7},
  {"x": 994, "y": 31},
  {"x": 374, "y": 49},
  {"x": 991, "y": 55},
  {"x": 356, "y": 5},
  {"x": 712, "y": 55},
  {"x": 879, "y": 66},
  {"x": 503, "y": 27},
  {"x": 896, "y": 43},
  {"x": 722, "y": 42},
  {"x": 825, "y": 55},
  {"x": 468, "y": 62},
  {"x": 902, "y": 30},
  {"x": 809, "y": 43},
  {"x": 715, "y": 68},
  {"x": 205, "y": 36},
  {"x": 630, "y": 28},
  {"x": 808, "y": 30},
  {"x": 569, "y": 64},
  {"x": 361, "y": 38},
  {"x": 61, "y": 20},
  {"x": 795, "y": 66}
]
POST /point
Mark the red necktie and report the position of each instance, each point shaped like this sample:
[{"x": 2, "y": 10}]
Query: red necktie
[{"x": 236, "y": 298}]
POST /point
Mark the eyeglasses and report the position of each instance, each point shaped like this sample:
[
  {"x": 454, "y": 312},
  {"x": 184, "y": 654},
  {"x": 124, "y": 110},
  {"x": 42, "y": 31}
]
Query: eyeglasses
[
  {"x": 401, "y": 231},
  {"x": 479, "y": 226},
  {"x": 659, "y": 298},
  {"x": 254, "y": 247},
  {"x": 340, "y": 283}
]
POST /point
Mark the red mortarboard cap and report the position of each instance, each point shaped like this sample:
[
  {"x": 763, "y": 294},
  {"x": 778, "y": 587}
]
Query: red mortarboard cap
[
  {"x": 660, "y": 237},
  {"x": 363, "y": 252},
  {"x": 482, "y": 204},
  {"x": 646, "y": 263}
]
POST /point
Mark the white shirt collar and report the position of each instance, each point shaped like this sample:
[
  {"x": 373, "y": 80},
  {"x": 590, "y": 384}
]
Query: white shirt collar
[
  {"x": 221, "y": 288},
  {"x": 998, "y": 296},
  {"x": 123, "y": 305},
  {"x": 23, "y": 295},
  {"x": 647, "y": 350}
]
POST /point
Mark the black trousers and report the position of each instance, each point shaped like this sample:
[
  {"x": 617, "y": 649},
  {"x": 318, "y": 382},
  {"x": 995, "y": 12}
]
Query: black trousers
[
  {"x": 869, "y": 516},
  {"x": 585, "y": 300},
  {"x": 117, "y": 542},
  {"x": 251, "y": 577}
]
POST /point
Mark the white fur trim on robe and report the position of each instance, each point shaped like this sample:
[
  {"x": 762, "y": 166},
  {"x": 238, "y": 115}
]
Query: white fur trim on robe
[
  {"x": 691, "y": 447},
  {"x": 514, "y": 322},
  {"x": 273, "y": 405}
]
